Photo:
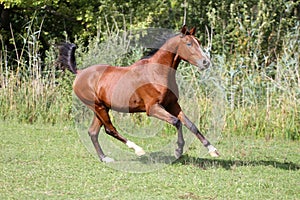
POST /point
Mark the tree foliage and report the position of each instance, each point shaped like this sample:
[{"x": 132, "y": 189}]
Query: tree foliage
[{"x": 239, "y": 27}]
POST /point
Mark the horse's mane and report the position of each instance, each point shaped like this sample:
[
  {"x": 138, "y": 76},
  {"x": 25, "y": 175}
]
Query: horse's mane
[
  {"x": 160, "y": 41},
  {"x": 149, "y": 53},
  {"x": 153, "y": 40}
]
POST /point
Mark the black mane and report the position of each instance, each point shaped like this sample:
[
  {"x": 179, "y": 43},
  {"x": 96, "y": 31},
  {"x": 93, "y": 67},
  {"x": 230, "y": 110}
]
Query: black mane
[
  {"x": 154, "y": 40},
  {"x": 149, "y": 53}
]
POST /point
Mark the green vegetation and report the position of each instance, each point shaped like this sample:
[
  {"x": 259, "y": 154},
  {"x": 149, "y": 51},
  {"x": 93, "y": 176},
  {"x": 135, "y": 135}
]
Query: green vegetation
[
  {"x": 260, "y": 100},
  {"x": 50, "y": 162},
  {"x": 239, "y": 27}
]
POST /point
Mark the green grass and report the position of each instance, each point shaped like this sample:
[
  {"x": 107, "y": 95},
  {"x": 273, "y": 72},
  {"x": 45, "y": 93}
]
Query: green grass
[{"x": 50, "y": 162}]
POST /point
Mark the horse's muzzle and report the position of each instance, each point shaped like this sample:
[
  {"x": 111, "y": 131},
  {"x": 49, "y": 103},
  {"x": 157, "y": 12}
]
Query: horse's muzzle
[{"x": 203, "y": 64}]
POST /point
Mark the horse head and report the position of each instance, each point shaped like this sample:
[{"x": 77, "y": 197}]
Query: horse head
[{"x": 190, "y": 50}]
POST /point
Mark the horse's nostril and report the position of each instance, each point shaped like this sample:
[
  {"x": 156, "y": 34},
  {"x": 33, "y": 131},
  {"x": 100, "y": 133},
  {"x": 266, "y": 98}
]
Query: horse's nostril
[{"x": 205, "y": 63}]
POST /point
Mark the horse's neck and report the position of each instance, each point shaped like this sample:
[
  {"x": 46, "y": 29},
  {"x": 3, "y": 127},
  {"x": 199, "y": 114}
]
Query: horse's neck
[
  {"x": 176, "y": 61},
  {"x": 163, "y": 67},
  {"x": 167, "y": 54},
  {"x": 165, "y": 58}
]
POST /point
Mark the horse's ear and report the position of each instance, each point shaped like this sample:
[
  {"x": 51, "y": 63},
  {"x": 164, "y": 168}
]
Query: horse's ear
[
  {"x": 193, "y": 31},
  {"x": 184, "y": 30}
]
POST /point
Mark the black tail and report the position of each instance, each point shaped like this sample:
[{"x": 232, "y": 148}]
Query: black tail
[{"x": 67, "y": 56}]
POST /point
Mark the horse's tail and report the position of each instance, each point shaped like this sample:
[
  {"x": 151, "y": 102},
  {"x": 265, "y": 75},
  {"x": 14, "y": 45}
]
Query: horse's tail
[{"x": 66, "y": 57}]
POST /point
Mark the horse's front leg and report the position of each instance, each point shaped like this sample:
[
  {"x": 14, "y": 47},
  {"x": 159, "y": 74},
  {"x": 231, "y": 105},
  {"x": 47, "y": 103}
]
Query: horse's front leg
[
  {"x": 159, "y": 112},
  {"x": 191, "y": 126}
]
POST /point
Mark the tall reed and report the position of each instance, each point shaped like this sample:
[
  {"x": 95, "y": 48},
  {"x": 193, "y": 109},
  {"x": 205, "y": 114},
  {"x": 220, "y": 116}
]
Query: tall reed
[
  {"x": 32, "y": 91},
  {"x": 264, "y": 99}
]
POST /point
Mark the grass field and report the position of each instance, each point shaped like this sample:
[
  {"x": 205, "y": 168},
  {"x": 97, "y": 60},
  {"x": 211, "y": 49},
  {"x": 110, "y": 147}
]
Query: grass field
[{"x": 50, "y": 162}]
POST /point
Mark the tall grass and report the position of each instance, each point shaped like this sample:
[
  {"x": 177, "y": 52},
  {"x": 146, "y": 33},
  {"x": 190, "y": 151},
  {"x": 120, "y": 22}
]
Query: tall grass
[
  {"x": 32, "y": 90},
  {"x": 262, "y": 99}
]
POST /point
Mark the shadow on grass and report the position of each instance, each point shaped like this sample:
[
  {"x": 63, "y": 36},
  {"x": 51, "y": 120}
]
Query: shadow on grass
[{"x": 206, "y": 163}]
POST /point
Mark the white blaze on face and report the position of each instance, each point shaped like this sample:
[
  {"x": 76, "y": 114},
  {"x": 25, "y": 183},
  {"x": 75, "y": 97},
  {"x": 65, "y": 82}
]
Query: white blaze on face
[{"x": 200, "y": 49}]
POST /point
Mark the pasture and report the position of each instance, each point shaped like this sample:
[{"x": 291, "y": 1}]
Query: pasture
[{"x": 50, "y": 162}]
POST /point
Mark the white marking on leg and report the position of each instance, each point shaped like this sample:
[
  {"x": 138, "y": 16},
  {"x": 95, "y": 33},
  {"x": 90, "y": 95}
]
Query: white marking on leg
[
  {"x": 212, "y": 151},
  {"x": 137, "y": 149},
  {"x": 107, "y": 159},
  {"x": 211, "y": 148}
]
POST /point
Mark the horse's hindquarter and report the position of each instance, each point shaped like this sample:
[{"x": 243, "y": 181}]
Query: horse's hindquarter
[{"x": 85, "y": 82}]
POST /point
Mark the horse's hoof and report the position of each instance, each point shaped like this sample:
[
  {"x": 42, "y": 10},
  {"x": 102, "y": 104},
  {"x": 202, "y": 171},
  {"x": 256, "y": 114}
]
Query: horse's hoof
[
  {"x": 107, "y": 159},
  {"x": 178, "y": 153},
  {"x": 214, "y": 153},
  {"x": 140, "y": 152}
]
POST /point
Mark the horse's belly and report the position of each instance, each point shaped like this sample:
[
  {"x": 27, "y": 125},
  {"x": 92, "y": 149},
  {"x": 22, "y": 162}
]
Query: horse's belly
[{"x": 127, "y": 103}]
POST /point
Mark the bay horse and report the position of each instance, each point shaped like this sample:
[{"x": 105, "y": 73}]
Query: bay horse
[{"x": 148, "y": 85}]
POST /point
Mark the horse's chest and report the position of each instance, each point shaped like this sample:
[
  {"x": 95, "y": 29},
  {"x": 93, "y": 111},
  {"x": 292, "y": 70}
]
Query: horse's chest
[{"x": 169, "y": 97}]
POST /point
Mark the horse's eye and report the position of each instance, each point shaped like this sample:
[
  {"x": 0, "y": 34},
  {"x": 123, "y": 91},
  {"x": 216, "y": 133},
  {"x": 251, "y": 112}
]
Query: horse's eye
[{"x": 189, "y": 44}]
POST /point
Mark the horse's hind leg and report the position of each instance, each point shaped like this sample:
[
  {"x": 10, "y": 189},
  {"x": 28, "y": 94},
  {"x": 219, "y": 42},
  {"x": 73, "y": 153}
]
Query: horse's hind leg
[
  {"x": 180, "y": 142},
  {"x": 102, "y": 114},
  {"x": 94, "y": 133}
]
